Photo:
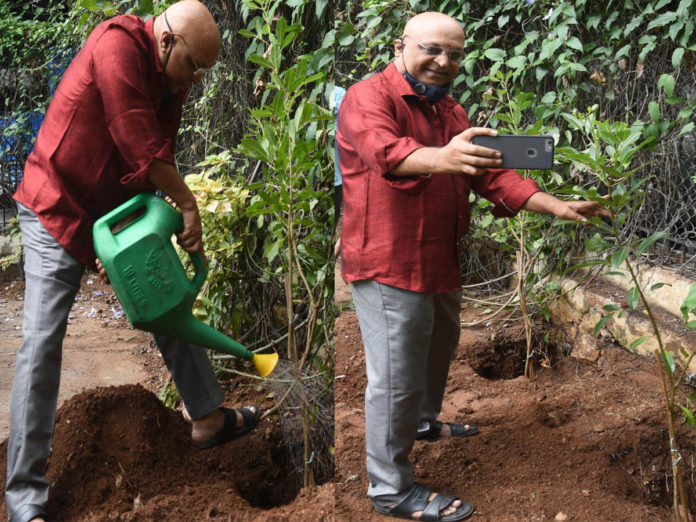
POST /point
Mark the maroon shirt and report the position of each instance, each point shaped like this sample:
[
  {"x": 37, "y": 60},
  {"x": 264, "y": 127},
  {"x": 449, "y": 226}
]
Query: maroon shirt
[
  {"x": 109, "y": 118},
  {"x": 407, "y": 231}
]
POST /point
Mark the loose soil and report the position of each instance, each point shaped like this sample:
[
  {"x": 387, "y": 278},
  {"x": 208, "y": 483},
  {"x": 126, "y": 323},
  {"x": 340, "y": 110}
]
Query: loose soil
[
  {"x": 119, "y": 454},
  {"x": 581, "y": 443}
]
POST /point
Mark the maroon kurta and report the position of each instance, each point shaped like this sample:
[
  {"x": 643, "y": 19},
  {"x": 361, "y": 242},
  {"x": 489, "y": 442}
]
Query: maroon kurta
[
  {"x": 110, "y": 117},
  {"x": 407, "y": 231}
]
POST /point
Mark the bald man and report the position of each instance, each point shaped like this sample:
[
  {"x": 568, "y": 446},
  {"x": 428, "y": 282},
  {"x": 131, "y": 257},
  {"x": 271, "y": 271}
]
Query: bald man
[
  {"x": 408, "y": 167},
  {"x": 108, "y": 134}
]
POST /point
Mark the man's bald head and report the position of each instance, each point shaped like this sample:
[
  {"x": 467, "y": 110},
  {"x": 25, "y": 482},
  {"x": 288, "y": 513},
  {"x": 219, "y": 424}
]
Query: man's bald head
[
  {"x": 188, "y": 41},
  {"x": 431, "y": 21},
  {"x": 422, "y": 34},
  {"x": 193, "y": 21}
]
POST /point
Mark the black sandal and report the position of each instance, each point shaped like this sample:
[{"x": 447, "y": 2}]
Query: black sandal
[
  {"x": 230, "y": 430},
  {"x": 431, "y": 431},
  {"x": 416, "y": 499}
]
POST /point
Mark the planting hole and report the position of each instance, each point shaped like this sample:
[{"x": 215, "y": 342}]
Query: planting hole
[{"x": 505, "y": 359}]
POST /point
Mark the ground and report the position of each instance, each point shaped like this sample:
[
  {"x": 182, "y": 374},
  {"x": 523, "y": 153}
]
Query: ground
[
  {"x": 582, "y": 442},
  {"x": 119, "y": 454}
]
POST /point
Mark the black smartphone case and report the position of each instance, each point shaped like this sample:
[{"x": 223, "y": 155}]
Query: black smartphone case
[{"x": 520, "y": 152}]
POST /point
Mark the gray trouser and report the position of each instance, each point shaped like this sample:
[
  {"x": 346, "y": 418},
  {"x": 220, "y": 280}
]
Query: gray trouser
[
  {"x": 52, "y": 280},
  {"x": 409, "y": 339}
]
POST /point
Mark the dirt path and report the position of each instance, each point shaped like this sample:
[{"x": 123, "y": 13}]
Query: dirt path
[
  {"x": 583, "y": 443},
  {"x": 100, "y": 347}
]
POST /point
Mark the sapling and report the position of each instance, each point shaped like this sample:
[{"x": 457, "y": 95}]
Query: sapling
[
  {"x": 286, "y": 137},
  {"x": 609, "y": 152},
  {"x": 509, "y": 108}
]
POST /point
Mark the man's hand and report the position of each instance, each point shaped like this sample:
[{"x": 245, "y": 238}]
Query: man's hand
[
  {"x": 102, "y": 272},
  {"x": 164, "y": 176},
  {"x": 580, "y": 210},
  {"x": 462, "y": 157},
  {"x": 191, "y": 237},
  {"x": 459, "y": 156},
  {"x": 569, "y": 210}
]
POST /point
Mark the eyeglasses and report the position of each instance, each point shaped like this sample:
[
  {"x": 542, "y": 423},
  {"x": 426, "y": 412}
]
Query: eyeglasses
[
  {"x": 193, "y": 64},
  {"x": 454, "y": 55}
]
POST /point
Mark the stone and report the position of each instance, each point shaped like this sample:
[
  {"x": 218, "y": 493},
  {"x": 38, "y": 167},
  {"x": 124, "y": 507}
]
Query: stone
[{"x": 585, "y": 349}]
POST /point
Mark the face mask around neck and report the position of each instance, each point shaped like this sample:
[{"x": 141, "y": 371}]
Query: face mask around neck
[{"x": 434, "y": 93}]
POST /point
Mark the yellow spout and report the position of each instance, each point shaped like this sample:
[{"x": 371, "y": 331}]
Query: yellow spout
[{"x": 265, "y": 363}]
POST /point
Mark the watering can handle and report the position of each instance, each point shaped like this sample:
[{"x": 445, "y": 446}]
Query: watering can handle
[
  {"x": 102, "y": 228},
  {"x": 141, "y": 200},
  {"x": 200, "y": 271}
]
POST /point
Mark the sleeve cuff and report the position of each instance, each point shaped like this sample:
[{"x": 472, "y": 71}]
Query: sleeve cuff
[
  {"x": 139, "y": 178},
  {"x": 510, "y": 204}
]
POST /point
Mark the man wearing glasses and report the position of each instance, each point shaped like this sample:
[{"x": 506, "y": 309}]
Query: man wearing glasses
[
  {"x": 408, "y": 167},
  {"x": 109, "y": 134}
]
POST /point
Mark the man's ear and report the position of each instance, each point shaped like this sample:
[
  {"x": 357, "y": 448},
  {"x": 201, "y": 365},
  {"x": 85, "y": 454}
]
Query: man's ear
[
  {"x": 398, "y": 47},
  {"x": 166, "y": 41}
]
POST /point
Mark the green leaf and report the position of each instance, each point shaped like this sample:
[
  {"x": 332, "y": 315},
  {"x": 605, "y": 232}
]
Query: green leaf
[
  {"x": 646, "y": 243},
  {"x": 516, "y": 62},
  {"x": 677, "y": 56},
  {"x": 624, "y": 51},
  {"x": 689, "y": 304},
  {"x": 494, "y": 54},
  {"x": 548, "y": 98},
  {"x": 633, "y": 298},
  {"x": 618, "y": 257},
  {"x": 662, "y": 19},
  {"x": 637, "y": 342},
  {"x": 254, "y": 149},
  {"x": 260, "y": 60},
  {"x": 320, "y": 6},
  {"x": 145, "y": 7},
  {"x": 602, "y": 323},
  {"x": 272, "y": 251},
  {"x": 645, "y": 51},
  {"x": 346, "y": 39},
  {"x": 666, "y": 82},
  {"x": 574, "y": 43},
  {"x": 596, "y": 243},
  {"x": 657, "y": 286},
  {"x": 585, "y": 264},
  {"x": 549, "y": 48},
  {"x": 668, "y": 360},
  {"x": 687, "y": 128},
  {"x": 688, "y": 416},
  {"x": 654, "y": 111}
]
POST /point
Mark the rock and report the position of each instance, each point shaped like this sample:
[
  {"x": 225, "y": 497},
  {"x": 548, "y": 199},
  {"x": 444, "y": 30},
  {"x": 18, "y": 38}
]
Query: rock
[
  {"x": 561, "y": 516},
  {"x": 585, "y": 349}
]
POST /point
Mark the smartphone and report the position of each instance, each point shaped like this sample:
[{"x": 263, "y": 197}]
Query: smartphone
[{"x": 520, "y": 152}]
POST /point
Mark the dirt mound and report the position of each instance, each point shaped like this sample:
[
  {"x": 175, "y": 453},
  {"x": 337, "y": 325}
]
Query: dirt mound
[
  {"x": 582, "y": 443},
  {"x": 119, "y": 454}
]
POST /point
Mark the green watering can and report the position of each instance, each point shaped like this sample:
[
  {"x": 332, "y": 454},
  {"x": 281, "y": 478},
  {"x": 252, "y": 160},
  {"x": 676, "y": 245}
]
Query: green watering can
[{"x": 149, "y": 280}]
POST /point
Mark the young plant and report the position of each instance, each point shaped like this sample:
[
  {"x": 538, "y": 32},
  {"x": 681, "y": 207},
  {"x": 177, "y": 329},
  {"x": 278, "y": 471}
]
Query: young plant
[
  {"x": 508, "y": 109},
  {"x": 287, "y": 138},
  {"x": 609, "y": 152}
]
